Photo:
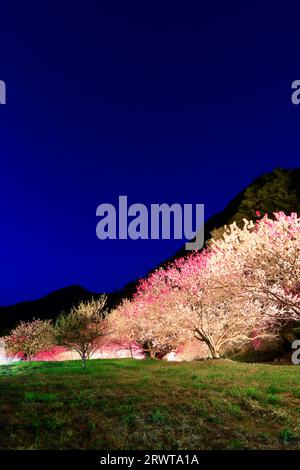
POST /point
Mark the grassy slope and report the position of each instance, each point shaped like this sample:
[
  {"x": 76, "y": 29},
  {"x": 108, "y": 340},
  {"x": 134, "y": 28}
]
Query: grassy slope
[{"x": 130, "y": 404}]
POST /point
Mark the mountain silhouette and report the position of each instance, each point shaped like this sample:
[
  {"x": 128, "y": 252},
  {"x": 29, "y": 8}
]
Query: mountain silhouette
[
  {"x": 46, "y": 307},
  {"x": 271, "y": 192},
  {"x": 276, "y": 191}
]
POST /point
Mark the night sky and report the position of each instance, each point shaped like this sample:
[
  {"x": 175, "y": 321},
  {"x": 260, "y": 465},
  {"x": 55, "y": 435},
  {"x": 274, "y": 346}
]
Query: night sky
[{"x": 162, "y": 102}]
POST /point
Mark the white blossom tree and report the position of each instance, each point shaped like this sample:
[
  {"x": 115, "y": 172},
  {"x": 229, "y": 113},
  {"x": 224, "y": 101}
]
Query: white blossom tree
[
  {"x": 268, "y": 256},
  {"x": 83, "y": 328},
  {"x": 149, "y": 320}
]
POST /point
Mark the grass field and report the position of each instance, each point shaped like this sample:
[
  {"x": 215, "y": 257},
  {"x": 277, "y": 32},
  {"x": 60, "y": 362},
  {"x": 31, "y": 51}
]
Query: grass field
[{"x": 131, "y": 404}]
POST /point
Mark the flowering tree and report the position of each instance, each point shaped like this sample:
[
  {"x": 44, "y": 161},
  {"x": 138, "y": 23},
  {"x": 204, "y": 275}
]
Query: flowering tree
[
  {"x": 122, "y": 329},
  {"x": 207, "y": 292},
  {"x": 268, "y": 253},
  {"x": 247, "y": 285},
  {"x": 149, "y": 319},
  {"x": 83, "y": 328},
  {"x": 242, "y": 288},
  {"x": 198, "y": 296},
  {"x": 30, "y": 338}
]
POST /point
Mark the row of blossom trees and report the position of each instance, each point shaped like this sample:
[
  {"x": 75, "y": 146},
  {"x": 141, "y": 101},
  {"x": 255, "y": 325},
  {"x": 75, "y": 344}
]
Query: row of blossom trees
[
  {"x": 241, "y": 288},
  {"x": 81, "y": 330},
  {"x": 244, "y": 286}
]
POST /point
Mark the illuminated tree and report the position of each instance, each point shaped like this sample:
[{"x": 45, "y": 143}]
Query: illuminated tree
[
  {"x": 245, "y": 286},
  {"x": 207, "y": 292},
  {"x": 30, "y": 338},
  {"x": 268, "y": 256},
  {"x": 242, "y": 288},
  {"x": 83, "y": 328},
  {"x": 150, "y": 320}
]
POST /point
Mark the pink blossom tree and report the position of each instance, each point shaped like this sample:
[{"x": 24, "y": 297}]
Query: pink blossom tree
[
  {"x": 209, "y": 296},
  {"x": 150, "y": 319},
  {"x": 30, "y": 338}
]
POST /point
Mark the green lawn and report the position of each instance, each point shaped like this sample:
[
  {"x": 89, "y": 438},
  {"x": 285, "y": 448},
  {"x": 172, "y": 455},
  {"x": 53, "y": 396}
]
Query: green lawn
[{"x": 131, "y": 404}]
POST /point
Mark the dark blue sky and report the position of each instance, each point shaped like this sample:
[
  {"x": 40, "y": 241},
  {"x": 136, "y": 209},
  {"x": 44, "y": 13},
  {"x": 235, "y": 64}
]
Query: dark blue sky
[{"x": 163, "y": 102}]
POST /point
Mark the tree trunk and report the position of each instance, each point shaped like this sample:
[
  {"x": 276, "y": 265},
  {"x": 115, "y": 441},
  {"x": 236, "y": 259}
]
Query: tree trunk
[
  {"x": 152, "y": 354},
  {"x": 83, "y": 358},
  {"x": 213, "y": 350}
]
